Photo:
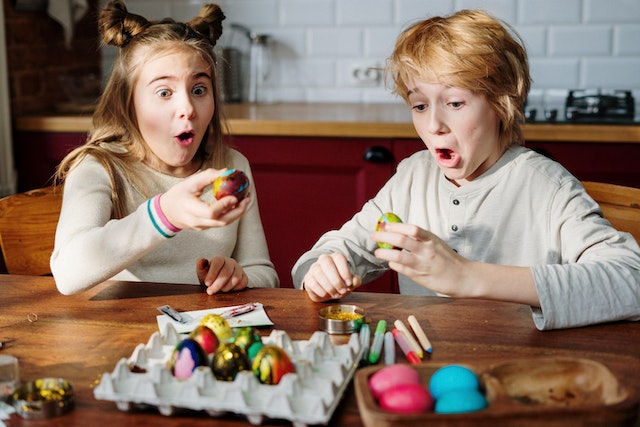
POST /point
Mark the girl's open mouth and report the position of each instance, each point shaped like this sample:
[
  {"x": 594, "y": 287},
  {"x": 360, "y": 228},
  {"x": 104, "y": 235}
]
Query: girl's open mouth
[{"x": 185, "y": 138}]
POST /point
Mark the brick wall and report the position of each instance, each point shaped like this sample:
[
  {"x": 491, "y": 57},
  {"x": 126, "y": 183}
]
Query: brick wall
[{"x": 36, "y": 56}]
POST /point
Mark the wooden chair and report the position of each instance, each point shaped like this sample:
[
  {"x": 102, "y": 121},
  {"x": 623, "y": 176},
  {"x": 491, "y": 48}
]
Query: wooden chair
[
  {"x": 620, "y": 205},
  {"x": 27, "y": 230}
]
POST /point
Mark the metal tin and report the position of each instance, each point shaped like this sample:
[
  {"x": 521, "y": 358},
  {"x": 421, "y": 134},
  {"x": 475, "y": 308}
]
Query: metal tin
[
  {"x": 44, "y": 398},
  {"x": 341, "y": 319}
]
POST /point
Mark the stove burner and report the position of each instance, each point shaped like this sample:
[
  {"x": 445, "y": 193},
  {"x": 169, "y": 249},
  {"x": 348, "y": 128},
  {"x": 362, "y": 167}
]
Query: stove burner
[{"x": 589, "y": 105}]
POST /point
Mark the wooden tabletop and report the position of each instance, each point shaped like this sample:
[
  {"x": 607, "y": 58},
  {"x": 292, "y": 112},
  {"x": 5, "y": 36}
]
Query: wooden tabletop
[
  {"x": 341, "y": 120},
  {"x": 80, "y": 337}
]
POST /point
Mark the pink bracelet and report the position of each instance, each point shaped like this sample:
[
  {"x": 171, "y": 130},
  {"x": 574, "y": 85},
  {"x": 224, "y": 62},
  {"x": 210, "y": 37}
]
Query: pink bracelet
[{"x": 162, "y": 216}]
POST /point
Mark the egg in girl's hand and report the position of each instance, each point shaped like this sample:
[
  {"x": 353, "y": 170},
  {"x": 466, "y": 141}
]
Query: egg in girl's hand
[
  {"x": 186, "y": 357},
  {"x": 391, "y": 376},
  {"x": 231, "y": 182},
  {"x": 386, "y": 218},
  {"x": 207, "y": 339},
  {"x": 271, "y": 364},
  {"x": 218, "y": 325}
]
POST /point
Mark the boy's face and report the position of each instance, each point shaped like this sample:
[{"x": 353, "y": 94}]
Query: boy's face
[
  {"x": 173, "y": 101},
  {"x": 458, "y": 127}
]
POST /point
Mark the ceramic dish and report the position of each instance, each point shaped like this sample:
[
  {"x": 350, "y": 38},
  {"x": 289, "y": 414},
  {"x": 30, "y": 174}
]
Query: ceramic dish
[{"x": 43, "y": 398}]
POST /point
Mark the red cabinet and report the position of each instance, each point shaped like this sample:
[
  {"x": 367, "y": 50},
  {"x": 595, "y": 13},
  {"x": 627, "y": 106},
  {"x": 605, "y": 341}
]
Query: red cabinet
[{"x": 307, "y": 186}]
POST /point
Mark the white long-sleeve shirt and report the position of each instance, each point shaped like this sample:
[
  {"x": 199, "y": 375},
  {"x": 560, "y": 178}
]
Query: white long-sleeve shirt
[
  {"x": 90, "y": 247},
  {"x": 527, "y": 210}
]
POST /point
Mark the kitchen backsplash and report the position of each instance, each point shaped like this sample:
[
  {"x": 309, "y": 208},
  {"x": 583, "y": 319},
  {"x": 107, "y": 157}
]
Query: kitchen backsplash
[{"x": 321, "y": 50}]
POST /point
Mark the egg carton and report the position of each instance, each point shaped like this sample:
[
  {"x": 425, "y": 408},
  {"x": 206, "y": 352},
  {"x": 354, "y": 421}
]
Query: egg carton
[{"x": 307, "y": 397}]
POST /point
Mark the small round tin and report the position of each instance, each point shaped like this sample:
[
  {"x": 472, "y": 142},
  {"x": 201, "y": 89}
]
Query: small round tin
[
  {"x": 341, "y": 319},
  {"x": 43, "y": 398}
]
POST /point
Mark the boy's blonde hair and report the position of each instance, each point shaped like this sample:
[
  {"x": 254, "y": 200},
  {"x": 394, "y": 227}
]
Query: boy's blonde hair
[
  {"x": 471, "y": 50},
  {"x": 114, "y": 138}
]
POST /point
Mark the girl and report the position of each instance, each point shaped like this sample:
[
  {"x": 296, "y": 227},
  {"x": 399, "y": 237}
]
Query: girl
[{"x": 137, "y": 203}]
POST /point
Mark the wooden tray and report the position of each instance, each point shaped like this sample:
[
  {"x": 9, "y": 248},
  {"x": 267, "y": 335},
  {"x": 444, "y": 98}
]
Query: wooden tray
[{"x": 555, "y": 391}]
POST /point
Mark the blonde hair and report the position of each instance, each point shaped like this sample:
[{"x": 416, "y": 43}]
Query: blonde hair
[
  {"x": 114, "y": 138},
  {"x": 471, "y": 50}
]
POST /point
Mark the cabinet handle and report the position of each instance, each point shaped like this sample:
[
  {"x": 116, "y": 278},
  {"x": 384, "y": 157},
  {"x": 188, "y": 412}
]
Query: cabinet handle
[{"x": 378, "y": 154}]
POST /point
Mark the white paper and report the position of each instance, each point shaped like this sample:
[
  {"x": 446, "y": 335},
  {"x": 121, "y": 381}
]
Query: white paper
[{"x": 257, "y": 317}]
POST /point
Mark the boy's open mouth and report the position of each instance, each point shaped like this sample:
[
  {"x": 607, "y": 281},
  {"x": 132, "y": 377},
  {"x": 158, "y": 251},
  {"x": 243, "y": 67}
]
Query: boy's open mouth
[{"x": 447, "y": 158}]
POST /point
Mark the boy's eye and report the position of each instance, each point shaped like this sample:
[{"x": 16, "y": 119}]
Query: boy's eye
[
  {"x": 456, "y": 104},
  {"x": 420, "y": 107}
]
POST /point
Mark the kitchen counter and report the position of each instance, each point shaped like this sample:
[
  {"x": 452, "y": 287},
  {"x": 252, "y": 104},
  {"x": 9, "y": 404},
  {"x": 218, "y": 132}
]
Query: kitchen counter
[{"x": 340, "y": 120}]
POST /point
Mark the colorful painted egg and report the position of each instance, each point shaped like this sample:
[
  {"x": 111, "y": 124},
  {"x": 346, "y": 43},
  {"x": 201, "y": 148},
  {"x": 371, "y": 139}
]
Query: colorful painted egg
[
  {"x": 391, "y": 376},
  {"x": 218, "y": 325},
  {"x": 271, "y": 364},
  {"x": 228, "y": 360},
  {"x": 452, "y": 377},
  {"x": 186, "y": 357},
  {"x": 207, "y": 339},
  {"x": 385, "y": 219},
  {"x": 245, "y": 337},
  {"x": 231, "y": 183}
]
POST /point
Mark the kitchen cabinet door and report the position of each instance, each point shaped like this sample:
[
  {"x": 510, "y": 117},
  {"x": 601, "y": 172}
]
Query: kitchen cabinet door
[{"x": 307, "y": 186}]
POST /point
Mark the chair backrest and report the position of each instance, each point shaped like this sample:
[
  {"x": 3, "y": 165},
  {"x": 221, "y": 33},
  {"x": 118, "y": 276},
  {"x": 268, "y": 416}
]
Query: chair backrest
[
  {"x": 28, "y": 224},
  {"x": 620, "y": 205}
]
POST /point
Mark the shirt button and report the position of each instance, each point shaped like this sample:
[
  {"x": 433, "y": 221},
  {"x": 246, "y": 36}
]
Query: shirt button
[
  {"x": 454, "y": 227},
  {"x": 456, "y": 202}
]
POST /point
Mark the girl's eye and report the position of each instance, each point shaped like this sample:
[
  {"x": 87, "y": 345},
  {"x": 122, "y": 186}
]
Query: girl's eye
[
  {"x": 199, "y": 90},
  {"x": 164, "y": 93}
]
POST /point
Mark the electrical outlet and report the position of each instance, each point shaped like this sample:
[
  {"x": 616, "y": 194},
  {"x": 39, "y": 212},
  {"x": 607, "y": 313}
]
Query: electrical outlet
[{"x": 365, "y": 74}]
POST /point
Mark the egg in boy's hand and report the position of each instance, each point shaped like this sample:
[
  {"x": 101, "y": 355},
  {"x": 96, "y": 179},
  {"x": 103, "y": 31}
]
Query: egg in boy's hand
[
  {"x": 385, "y": 219},
  {"x": 231, "y": 182}
]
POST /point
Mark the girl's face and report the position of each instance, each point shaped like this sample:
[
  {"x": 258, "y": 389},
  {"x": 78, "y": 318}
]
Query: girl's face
[
  {"x": 459, "y": 128},
  {"x": 173, "y": 101}
]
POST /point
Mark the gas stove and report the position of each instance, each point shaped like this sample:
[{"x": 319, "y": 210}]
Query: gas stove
[{"x": 588, "y": 106}]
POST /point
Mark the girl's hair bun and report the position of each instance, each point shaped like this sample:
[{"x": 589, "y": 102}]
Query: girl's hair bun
[
  {"x": 209, "y": 22},
  {"x": 117, "y": 26}
]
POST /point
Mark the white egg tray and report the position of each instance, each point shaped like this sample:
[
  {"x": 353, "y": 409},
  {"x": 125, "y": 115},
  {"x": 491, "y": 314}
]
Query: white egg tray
[{"x": 307, "y": 397}]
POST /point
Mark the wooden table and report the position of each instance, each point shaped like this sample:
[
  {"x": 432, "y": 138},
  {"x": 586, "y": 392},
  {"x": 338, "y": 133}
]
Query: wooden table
[{"x": 82, "y": 336}]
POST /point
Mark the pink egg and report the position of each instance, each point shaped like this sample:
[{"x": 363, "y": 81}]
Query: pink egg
[
  {"x": 407, "y": 399},
  {"x": 390, "y": 376}
]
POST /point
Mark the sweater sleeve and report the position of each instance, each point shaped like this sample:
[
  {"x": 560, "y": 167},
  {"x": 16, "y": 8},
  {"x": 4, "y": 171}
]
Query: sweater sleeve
[
  {"x": 90, "y": 247},
  {"x": 598, "y": 279}
]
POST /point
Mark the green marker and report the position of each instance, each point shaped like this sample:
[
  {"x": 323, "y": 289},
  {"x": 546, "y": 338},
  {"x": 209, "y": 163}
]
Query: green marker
[{"x": 378, "y": 339}]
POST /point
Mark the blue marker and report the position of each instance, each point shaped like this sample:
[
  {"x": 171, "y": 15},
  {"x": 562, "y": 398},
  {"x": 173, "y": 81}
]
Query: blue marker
[{"x": 378, "y": 340}]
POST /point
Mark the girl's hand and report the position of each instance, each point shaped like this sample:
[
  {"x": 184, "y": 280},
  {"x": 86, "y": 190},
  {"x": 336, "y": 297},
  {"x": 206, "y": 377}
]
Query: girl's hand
[
  {"x": 184, "y": 209},
  {"x": 221, "y": 274},
  {"x": 330, "y": 278}
]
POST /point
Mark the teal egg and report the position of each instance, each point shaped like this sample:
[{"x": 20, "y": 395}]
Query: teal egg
[
  {"x": 452, "y": 377},
  {"x": 460, "y": 401},
  {"x": 245, "y": 337}
]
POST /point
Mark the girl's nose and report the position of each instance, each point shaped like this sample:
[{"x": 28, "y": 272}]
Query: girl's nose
[{"x": 186, "y": 107}]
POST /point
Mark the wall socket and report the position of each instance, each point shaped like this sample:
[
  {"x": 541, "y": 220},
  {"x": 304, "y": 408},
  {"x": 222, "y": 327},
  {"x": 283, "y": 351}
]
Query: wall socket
[{"x": 365, "y": 74}]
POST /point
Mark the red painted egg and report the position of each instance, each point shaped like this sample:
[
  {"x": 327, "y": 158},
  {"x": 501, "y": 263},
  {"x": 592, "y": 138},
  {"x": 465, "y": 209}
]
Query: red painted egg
[{"x": 207, "y": 339}]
